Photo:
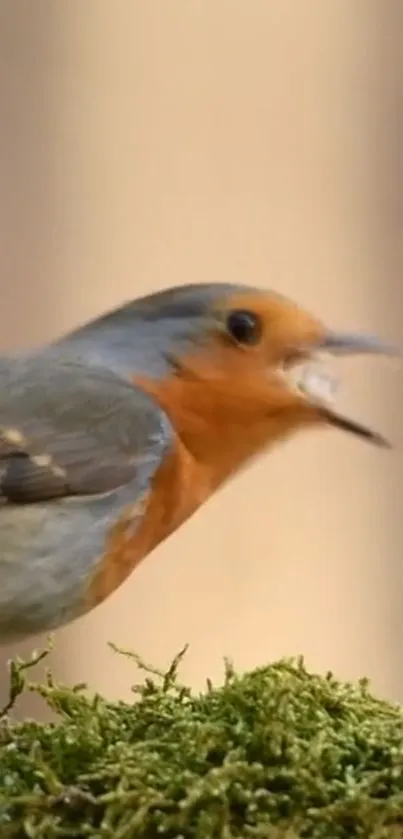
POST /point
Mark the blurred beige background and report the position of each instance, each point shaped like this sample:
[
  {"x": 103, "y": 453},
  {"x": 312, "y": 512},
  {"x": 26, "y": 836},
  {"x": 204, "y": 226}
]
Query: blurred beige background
[{"x": 144, "y": 144}]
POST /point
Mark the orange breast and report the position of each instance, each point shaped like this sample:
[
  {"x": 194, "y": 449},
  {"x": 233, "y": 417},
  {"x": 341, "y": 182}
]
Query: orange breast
[
  {"x": 220, "y": 423},
  {"x": 179, "y": 488}
]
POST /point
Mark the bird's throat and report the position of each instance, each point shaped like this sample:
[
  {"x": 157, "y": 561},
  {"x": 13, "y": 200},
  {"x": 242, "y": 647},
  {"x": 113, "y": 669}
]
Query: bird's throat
[
  {"x": 223, "y": 423},
  {"x": 218, "y": 429}
]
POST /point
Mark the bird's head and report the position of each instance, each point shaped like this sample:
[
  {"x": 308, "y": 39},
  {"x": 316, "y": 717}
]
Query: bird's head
[{"x": 239, "y": 358}]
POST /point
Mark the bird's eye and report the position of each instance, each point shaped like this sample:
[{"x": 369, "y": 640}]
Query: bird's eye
[{"x": 244, "y": 326}]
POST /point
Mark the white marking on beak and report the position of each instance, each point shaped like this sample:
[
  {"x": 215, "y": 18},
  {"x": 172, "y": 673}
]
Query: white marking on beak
[
  {"x": 318, "y": 384},
  {"x": 313, "y": 381}
]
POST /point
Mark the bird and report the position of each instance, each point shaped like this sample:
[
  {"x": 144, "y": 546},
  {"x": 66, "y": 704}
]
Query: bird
[{"x": 114, "y": 434}]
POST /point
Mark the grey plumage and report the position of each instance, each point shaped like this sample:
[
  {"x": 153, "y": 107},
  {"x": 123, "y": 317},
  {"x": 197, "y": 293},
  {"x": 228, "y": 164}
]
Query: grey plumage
[
  {"x": 107, "y": 438},
  {"x": 95, "y": 427},
  {"x": 141, "y": 335}
]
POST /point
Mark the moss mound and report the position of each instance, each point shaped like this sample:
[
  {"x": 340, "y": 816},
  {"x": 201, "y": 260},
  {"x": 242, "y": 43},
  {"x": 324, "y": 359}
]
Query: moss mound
[{"x": 277, "y": 752}]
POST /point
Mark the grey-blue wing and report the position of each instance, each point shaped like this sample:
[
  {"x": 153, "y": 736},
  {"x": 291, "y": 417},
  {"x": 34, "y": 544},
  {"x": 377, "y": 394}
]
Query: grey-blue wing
[{"x": 70, "y": 429}]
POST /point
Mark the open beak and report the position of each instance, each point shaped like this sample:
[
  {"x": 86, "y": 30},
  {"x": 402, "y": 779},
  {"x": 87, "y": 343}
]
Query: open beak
[{"x": 319, "y": 388}]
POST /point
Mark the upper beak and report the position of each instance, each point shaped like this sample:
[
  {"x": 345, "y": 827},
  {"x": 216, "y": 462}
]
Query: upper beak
[
  {"x": 351, "y": 343},
  {"x": 355, "y": 344}
]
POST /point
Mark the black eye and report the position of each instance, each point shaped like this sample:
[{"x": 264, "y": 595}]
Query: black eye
[{"x": 244, "y": 327}]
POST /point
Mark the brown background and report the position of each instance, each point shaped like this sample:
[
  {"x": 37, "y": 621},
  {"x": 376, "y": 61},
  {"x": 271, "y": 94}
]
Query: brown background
[{"x": 144, "y": 144}]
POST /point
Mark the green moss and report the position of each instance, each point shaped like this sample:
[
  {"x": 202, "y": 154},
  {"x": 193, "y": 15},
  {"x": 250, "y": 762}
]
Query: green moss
[{"x": 277, "y": 752}]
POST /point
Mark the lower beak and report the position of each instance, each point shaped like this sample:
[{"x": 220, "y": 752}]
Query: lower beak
[
  {"x": 352, "y": 344},
  {"x": 345, "y": 424}
]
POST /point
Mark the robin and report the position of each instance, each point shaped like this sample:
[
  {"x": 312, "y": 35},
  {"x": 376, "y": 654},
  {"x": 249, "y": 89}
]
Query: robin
[{"x": 114, "y": 435}]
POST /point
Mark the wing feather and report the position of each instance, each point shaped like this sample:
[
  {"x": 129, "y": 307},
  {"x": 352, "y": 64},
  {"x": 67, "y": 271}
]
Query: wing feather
[{"x": 68, "y": 429}]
